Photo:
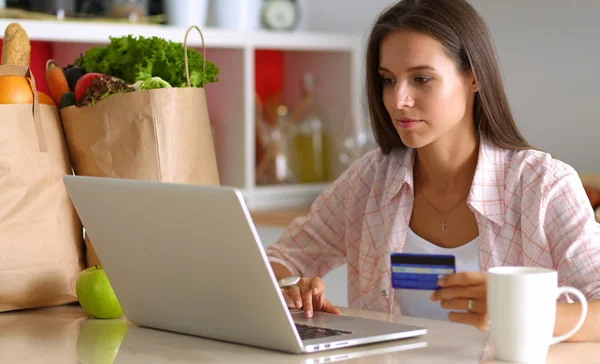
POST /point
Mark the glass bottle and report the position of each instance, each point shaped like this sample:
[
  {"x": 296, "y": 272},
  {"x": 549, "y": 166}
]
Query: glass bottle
[
  {"x": 309, "y": 140},
  {"x": 274, "y": 164},
  {"x": 282, "y": 135}
]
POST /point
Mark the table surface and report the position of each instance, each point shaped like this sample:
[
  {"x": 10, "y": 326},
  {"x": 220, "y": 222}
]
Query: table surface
[
  {"x": 279, "y": 217},
  {"x": 65, "y": 334}
]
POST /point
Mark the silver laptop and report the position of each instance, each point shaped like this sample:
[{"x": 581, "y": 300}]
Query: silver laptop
[{"x": 188, "y": 259}]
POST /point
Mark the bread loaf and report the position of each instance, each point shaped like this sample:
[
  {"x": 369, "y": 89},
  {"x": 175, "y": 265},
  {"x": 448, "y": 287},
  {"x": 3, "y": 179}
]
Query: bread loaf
[{"x": 16, "y": 48}]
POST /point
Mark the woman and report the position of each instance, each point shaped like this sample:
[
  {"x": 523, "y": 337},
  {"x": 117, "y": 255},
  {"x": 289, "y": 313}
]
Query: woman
[{"x": 453, "y": 175}]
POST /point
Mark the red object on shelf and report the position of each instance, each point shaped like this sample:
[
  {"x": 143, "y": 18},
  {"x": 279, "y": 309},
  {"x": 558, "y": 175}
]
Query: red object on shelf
[
  {"x": 40, "y": 53},
  {"x": 268, "y": 79},
  {"x": 268, "y": 70}
]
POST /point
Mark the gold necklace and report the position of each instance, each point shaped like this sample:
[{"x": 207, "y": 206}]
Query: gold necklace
[{"x": 443, "y": 223}]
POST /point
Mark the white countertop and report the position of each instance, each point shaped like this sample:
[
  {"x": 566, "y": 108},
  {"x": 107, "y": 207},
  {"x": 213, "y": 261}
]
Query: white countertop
[{"x": 66, "y": 335}]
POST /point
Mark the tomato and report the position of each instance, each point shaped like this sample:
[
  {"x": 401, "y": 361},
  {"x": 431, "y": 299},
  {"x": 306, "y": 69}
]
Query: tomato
[{"x": 83, "y": 83}]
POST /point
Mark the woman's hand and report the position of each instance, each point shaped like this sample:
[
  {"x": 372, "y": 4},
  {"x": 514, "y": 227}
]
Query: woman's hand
[
  {"x": 309, "y": 293},
  {"x": 456, "y": 293}
]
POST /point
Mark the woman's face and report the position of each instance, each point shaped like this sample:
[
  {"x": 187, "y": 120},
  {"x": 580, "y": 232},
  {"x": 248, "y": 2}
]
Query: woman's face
[{"x": 425, "y": 94}]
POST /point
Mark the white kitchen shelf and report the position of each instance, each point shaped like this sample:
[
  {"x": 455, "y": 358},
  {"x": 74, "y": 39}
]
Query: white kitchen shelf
[
  {"x": 96, "y": 32},
  {"x": 335, "y": 59}
]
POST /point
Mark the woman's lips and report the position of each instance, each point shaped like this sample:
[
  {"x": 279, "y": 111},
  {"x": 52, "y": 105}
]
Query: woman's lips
[{"x": 406, "y": 123}]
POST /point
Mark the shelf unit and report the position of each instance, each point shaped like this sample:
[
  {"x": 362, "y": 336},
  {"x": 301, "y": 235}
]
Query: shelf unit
[{"x": 335, "y": 59}]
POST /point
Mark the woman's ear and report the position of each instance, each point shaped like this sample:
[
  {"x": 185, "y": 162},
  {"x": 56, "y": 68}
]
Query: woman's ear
[{"x": 474, "y": 83}]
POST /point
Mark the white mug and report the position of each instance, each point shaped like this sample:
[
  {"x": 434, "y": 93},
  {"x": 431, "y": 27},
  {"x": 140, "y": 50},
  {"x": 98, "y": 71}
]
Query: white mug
[
  {"x": 241, "y": 15},
  {"x": 521, "y": 305},
  {"x": 183, "y": 13}
]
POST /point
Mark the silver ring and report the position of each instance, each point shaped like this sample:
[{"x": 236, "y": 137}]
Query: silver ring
[{"x": 470, "y": 305}]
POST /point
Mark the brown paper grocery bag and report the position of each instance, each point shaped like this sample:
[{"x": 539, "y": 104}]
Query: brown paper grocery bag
[
  {"x": 41, "y": 242},
  {"x": 157, "y": 135}
]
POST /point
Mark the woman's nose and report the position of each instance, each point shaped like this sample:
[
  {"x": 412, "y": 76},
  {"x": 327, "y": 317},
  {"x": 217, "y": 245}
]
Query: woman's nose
[{"x": 402, "y": 98}]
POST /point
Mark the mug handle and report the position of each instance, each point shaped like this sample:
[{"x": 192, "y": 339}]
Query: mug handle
[{"x": 584, "y": 308}]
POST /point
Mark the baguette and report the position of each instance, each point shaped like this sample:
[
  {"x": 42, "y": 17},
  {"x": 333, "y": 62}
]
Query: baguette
[{"x": 16, "y": 48}]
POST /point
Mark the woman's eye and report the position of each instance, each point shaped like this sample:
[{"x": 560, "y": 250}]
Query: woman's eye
[
  {"x": 422, "y": 79},
  {"x": 387, "y": 81}
]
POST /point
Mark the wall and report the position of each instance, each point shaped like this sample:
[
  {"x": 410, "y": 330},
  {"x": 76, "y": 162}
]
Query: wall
[
  {"x": 352, "y": 16},
  {"x": 549, "y": 55}
]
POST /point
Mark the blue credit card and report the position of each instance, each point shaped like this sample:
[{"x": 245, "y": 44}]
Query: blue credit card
[{"x": 420, "y": 271}]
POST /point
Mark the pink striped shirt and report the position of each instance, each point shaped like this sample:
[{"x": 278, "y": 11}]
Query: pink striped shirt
[{"x": 531, "y": 210}]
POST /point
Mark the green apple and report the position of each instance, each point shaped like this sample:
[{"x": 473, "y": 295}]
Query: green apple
[
  {"x": 99, "y": 341},
  {"x": 96, "y": 295}
]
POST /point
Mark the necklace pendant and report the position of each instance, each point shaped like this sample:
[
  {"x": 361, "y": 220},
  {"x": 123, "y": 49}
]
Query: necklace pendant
[{"x": 443, "y": 224}]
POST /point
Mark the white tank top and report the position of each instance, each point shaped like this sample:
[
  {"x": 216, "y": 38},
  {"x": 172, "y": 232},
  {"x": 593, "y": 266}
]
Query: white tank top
[{"x": 416, "y": 302}]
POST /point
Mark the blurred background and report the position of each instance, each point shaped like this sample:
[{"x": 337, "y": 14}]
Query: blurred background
[{"x": 548, "y": 51}]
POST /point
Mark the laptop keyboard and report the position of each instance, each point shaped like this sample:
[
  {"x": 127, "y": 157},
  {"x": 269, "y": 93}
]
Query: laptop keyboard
[{"x": 313, "y": 332}]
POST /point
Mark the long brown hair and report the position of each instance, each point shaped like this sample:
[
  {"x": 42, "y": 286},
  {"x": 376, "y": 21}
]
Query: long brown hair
[{"x": 463, "y": 33}]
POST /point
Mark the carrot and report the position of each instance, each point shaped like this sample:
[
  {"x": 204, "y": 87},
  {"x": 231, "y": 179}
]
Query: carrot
[{"x": 56, "y": 80}]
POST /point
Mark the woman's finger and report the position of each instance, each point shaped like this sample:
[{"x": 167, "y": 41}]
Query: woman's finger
[
  {"x": 317, "y": 286},
  {"x": 477, "y": 306},
  {"x": 307, "y": 299},
  {"x": 458, "y": 292},
  {"x": 318, "y": 291},
  {"x": 289, "y": 301},
  {"x": 330, "y": 308},
  {"x": 295, "y": 297},
  {"x": 292, "y": 297},
  {"x": 463, "y": 279}
]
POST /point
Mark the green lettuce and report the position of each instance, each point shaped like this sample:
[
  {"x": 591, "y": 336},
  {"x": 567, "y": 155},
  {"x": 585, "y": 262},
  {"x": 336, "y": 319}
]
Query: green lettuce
[
  {"x": 154, "y": 82},
  {"x": 138, "y": 59}
]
